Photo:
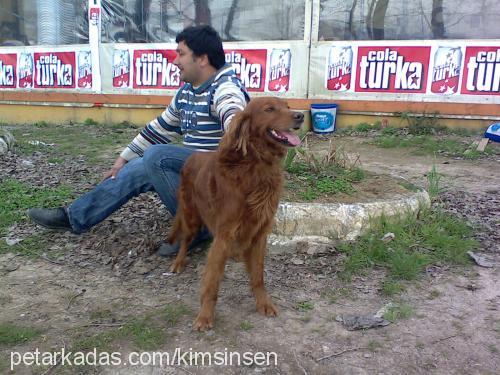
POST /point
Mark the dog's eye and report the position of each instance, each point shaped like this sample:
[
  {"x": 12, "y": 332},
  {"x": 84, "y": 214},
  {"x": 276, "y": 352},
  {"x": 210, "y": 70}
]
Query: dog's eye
[{"x": 269, "y": 109}]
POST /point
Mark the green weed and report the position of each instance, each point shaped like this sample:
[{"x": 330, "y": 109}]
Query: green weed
[
  {"x": 246, "y": 325},
  {"x": 11, "y": 334},
  {"x": 432, "y": 237},
  {"x": 398, "y": 312},
  {"x": 17, "y": 197}
]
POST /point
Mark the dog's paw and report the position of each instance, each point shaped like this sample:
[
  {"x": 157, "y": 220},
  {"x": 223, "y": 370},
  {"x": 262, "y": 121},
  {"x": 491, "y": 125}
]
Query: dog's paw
[
  {"x": 267, "y": 309},
  {"x": 178, "y": 266},
  {"x": 203, "y": 323}
]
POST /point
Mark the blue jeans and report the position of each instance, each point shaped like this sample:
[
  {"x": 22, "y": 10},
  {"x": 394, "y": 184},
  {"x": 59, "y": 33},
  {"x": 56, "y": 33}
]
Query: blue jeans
[{"x": 158, "y": 170}]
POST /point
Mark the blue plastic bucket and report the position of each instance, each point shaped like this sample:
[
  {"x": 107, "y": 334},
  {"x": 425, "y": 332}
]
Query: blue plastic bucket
[{"x": 323, "y": 117}]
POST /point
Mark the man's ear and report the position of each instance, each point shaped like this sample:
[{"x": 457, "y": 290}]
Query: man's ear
[{"x": 203, "y": 60}]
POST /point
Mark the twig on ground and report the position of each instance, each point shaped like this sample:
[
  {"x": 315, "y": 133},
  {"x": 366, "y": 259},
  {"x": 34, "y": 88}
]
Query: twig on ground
[
  {"x": 445, "y": 338},
  {"x": 339, "y": 353},
  {"x": 104, "y": 325},
  {"x": 183, "y": 369},
  {"x": 298, "y": 363},
  {"x": 73, "y": 298},
  {"x": 45, "y": 257}
]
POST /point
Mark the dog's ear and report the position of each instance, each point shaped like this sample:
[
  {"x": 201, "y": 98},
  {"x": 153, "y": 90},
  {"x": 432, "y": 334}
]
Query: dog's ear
[{"x": 236, "y": 138}]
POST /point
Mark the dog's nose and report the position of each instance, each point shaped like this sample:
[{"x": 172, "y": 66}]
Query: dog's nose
[{"x": 299, "y": 117}]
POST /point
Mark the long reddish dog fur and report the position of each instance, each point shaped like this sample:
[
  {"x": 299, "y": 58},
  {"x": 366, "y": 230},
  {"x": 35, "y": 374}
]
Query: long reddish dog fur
[{"x": 235, "y": 192}]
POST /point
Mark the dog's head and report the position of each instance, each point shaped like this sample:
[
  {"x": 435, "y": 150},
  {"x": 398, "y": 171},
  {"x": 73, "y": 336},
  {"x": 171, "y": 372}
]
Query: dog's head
[{"x": 266, "y": 123}]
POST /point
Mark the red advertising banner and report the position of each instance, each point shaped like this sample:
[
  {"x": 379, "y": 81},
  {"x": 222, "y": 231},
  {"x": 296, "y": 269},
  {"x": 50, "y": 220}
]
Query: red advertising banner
[
  {"x": 154, "y": 69},
  {"x": 8, "y": 69},
  {"x": 54, "y": 70},
  {"x": 481, "y": 71},
  {"x": 401, "y": 69},
  {"x": 250, "y": 66}
]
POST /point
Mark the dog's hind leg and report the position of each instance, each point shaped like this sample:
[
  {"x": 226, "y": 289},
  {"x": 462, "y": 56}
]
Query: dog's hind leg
[
  {"x": 254, "y": 261},
  {"x": 186, "y": 226},
  {"x": 214, "y": 270}
]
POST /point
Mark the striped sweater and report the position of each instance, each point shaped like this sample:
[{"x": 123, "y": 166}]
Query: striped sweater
[{"x": 200, "y": 115}]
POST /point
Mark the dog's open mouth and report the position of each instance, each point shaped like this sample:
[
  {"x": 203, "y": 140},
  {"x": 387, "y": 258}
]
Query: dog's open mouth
[{"x": 287, "y": 138}]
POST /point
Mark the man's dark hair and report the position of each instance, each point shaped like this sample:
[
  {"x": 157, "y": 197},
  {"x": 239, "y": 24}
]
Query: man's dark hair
[{"x": 204, "y": 40}]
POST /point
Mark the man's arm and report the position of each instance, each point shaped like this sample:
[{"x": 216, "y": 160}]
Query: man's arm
[
  {"x": 163, "y": 129},
  {"x": 227, "y": 101}
]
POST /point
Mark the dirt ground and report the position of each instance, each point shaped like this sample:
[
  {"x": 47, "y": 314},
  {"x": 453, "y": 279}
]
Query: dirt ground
[{"x": 454, "y": 328}]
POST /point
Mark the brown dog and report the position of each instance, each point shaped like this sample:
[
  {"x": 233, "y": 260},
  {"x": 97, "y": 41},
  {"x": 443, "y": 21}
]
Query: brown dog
[{"x": 235, "y": 192}]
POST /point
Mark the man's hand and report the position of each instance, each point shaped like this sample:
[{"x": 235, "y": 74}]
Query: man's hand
[{"x": 119, "y": 163}]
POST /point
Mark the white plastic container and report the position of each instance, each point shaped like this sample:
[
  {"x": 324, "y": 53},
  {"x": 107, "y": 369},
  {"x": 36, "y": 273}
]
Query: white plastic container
[{"x": 323, "y": 117}]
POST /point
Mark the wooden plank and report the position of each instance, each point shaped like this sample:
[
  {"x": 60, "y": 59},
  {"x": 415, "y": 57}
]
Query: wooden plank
[{"x": 482, "y": 144}]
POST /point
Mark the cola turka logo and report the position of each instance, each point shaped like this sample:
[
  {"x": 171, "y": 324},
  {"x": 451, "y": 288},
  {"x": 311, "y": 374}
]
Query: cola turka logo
[
  {"x": 7, "y": 71},
  {"x": 339, "y": 68},
  {"x": 482, "y": 71},
  {"x": 250, "y": 67},
  {"x": 446, "y": 70},
  {"x": 395, "y": 69},
  {"x": 84, "y": 69},
  {"x": 154, "y": 69},
  {"x": 121, "y": 68},
  {"x": 55, "y": 70},
  {"x": 279, "y": 70}
]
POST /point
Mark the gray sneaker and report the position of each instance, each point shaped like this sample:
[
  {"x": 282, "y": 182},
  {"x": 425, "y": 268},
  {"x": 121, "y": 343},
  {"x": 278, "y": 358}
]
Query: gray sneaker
[
  {"x": 51, "y": 218},
  {"x": 168, "y": 250}
]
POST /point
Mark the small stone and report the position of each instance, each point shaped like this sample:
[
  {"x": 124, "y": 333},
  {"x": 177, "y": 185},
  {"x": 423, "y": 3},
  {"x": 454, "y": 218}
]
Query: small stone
[
  {"x": 367, "y": 355},
  {"x": 297, "y": 261}
]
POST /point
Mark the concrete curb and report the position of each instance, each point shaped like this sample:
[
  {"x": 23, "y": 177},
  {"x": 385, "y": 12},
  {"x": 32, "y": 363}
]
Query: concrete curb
[{"x": 324, "y": 223}]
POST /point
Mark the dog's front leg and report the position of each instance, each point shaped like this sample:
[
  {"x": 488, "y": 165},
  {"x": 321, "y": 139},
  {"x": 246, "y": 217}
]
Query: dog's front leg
[
  {"x": 214, "y": 270},
  {"x": 254, "y": 261}
]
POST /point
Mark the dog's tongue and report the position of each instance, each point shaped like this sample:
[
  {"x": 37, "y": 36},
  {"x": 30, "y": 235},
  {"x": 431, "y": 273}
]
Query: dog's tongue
[{"x": 292, "y": 138}]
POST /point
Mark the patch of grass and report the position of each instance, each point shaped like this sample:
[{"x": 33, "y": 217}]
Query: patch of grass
[
  {"x": 173, "y": 313},
  {"x": 427, "y": 123},
  {"x": 31, "y": 246},
  {"x": 96, "y": 143},
  {"x": 492, "y": 348},
  {"x": 101, "y": 314},
  {"x": 398, "y": 312},
  {"x": 305, "y": 306},
  {"x": 434, "y": 294},
  {"x": 363, "y": 127},
  {"x": 433, "y": 183},
  {"x": 246, "y": 325},
  {"x": 427, "y": 144},
  {"x": 144, "y": 334},
  {"x": 333, "y": 295},
  {"x": 4, "y": 365},
  {"x": 90, "y": 121},
  {"x": 391, "y": 287},
  {"x": 390, "y": 131},
  {"x": 373, "y": 345},
  {"x": 147, "y": 333},
  {"x": 11, "y": 334},
  {"x": 17, "y": 197},
  {"x": 433, "y": 237}
]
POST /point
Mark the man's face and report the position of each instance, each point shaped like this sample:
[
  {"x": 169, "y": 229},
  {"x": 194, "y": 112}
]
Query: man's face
[{"x": 188, "y": 64}]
